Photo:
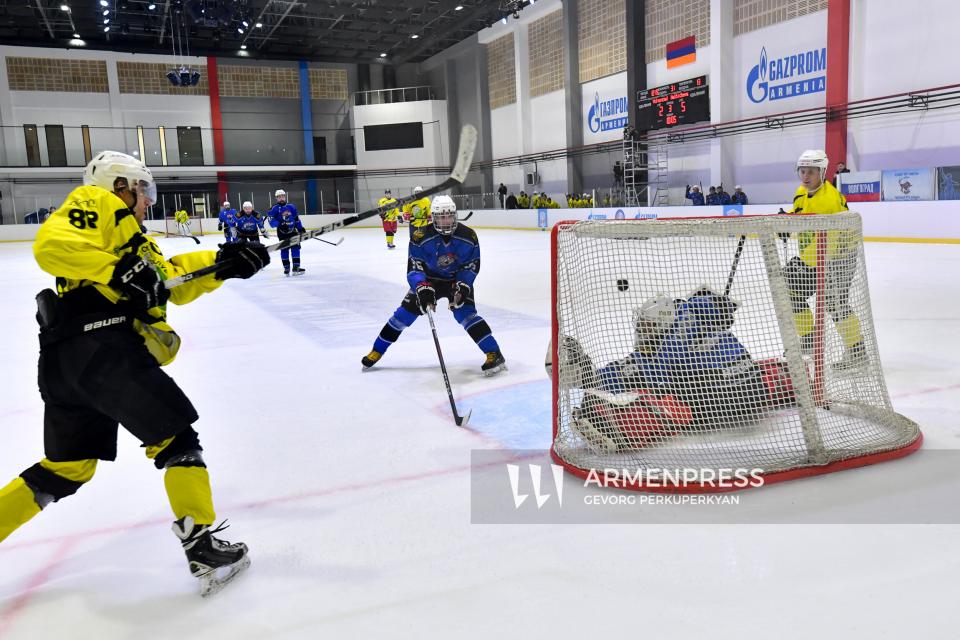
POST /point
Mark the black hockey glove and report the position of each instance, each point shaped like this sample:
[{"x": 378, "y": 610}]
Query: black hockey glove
[
  {"x": 139, "y": 282},
  {"x": 426, "y": 296},
  {"x": 219, "y": 226},
  {"x": 242, "y": 259},
  {"x": 461, "y": 291}
]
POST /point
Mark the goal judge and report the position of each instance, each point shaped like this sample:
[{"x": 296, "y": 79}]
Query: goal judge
[
  {"x": 817, "y": 196},
  {"x": 103, "y": 338}
]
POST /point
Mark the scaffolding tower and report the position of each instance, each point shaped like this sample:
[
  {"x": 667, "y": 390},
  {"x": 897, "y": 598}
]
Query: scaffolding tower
[{"x": 644, "y": 173}]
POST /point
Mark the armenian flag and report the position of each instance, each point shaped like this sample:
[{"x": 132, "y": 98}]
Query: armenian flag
[{"x": 681, "y": 52}]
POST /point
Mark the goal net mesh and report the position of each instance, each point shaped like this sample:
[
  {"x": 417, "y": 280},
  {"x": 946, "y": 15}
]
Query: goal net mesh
[
  {"x": 193, "y": 227},
  {"x": 785, "y": 379}
]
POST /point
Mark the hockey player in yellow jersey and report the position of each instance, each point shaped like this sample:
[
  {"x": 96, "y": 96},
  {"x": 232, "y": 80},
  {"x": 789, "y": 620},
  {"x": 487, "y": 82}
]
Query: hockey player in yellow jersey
[
  {"x": 103, "y": 337},
  {"x": 389, "y": 218},
  {"x": 819, "y": 196},
  {"x": 417, "y": 212}
]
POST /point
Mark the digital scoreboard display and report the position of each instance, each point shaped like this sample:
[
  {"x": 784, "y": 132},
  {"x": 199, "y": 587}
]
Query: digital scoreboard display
[{"x": 674, "y": 104}]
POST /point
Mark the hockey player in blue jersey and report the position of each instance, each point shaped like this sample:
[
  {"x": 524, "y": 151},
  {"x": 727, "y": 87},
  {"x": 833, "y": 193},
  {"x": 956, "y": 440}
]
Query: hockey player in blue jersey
[
  {"x": 285, "y": 219},
  {"x": 443, "y": 261},
  {"x": 228, "y": 222},
  {"x": 687, "y": 372},
  {"x": 249, "y": 224}
]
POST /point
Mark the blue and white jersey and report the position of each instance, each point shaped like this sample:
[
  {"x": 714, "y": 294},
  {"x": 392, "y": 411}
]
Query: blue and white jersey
[
  {"x": 228, "y": 217},
  {"x": 433, "y": 257},
  {"x": 250, "y": 223},
  {"x": 286, "y": 220},
  {"x": 696, "y": 352}
]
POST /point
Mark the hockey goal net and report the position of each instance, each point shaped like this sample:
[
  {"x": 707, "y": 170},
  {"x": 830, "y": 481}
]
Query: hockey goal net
[
  {"x": 663, "y": 382},
  {"x": 193, "y": 227}
]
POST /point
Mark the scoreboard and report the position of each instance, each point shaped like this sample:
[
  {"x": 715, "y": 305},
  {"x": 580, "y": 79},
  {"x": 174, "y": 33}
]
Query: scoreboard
[{"x": 674, "y": 104}]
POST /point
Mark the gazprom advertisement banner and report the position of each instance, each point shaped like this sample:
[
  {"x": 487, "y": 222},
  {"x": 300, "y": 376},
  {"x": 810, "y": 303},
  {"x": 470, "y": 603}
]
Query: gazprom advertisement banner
[
  {"x": 948, "y": 183},
  {"x": 860, "y": 186},
  {"x": 605, "y": 107},
  {"x": 908, "y": 184}
]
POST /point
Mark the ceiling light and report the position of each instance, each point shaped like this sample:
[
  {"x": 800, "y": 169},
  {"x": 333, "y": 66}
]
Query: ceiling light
[
  {"x": 458, "y": 7},
  {"x": 414, "y": 37},
  {"x": 152, "y": 6},
  {"x": 77, "y": 42},
  {"x": 76, "y": 35},
  {"x": 239, "y": 30},
  {"x": 103, "y": 3},
  {"x": 106, "y": 21},
  {"x": 64, "y": 7},
  {"x": 106, "y": 29},
  {"x": 259, "y": 25},
  {"x": 383, "y": 55},
  {"x": 245, "y": 23},
  {"x": 106, "y": 12},
  {"x": 244, "y": 47}
]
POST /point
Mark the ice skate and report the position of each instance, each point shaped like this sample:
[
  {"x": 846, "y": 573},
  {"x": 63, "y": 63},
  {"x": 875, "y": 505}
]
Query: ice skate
[
  {"x": 213, "y": 561},
  {"x": 854, "y": 358},
  {"x": 494, "y": 364},
  {"x": 297, "y": 271},
  {"x": 370, "y": 359}
]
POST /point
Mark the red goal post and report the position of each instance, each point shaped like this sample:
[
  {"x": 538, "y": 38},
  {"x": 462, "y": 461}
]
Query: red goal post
[{"x": 829, "y": 418}]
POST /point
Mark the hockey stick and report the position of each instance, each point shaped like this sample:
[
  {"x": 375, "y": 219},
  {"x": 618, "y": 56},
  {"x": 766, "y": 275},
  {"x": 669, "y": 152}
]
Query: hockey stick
[
  {"x": 466, "y": 217},
  {"x": 733, "y": 268},
  {"x": 468, "y": 144},
  {"x": 328, "y": 242},
  {"x": 460, "y": 420}
]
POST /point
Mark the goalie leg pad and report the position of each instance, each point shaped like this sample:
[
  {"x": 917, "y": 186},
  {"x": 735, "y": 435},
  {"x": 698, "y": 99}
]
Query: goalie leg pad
[{"x": 776, "y": 379}]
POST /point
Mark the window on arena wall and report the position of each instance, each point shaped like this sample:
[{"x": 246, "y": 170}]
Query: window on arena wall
[
  {"x": 33, "y": 145},
  {"x": 190, "y": 145},
  {"x": 56, "y": 148}
]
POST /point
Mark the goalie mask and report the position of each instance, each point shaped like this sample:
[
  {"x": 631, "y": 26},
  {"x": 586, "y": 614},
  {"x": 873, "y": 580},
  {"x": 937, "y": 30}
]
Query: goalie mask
[
  {"x": 444, "y": 213},
  {"x": 651, "y": 320}
]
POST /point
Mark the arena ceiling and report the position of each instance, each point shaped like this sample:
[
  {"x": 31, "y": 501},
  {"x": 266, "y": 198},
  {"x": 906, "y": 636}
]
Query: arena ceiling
[{"x": 319, "y": 30}]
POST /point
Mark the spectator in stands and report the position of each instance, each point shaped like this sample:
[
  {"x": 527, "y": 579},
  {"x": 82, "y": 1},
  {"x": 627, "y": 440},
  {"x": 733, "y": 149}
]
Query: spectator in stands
[
  {"x": 502, "y": 192},
  {"x": 738, "y": 197},
  {"x": 512, "y": 201},
  {"x": 712, "y": 197},
  {"x": 841, "y": 168},
  {"x": 694, "y": 196},
  {"x": 606, "y": 200},
  {"x": 722, "y": 196}
]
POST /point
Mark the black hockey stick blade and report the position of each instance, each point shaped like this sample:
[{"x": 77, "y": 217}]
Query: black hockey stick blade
[
  {"x": 466, "y": 217},
  {"x": 468, "y": 145},
  {"x": 328, "y": 242},
  {"x": 457, "y": 418},
  {"x": 733, "y": 268}
]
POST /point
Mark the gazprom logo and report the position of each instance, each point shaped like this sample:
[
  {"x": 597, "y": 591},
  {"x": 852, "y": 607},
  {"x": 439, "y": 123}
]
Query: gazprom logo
[
  {"x": 761, "y": 79},
  {"x": 608, "y": 114}
]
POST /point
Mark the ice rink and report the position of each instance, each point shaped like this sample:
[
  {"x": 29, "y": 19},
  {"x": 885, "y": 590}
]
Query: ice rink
[{"x": 353, "y": 489}]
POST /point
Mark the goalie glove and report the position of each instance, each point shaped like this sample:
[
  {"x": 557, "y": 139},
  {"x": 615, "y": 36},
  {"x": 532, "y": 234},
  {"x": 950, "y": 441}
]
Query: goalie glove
[
  {"x": 242, "y": 259},
  {"x": 426, "y": 296},
  {"x": 139, "y": 282},
  {"x": 461, "y": 292}
]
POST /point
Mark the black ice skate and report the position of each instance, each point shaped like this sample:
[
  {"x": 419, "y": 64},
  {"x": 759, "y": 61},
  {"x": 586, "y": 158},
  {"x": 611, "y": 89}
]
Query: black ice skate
[
  {"x": 297, "y": 271},
  {"x": 854, "y": 358},
  {"x": 213, "y": 561},
  {"x": 495, "y": 363},
  {"x": 370, "y": 359}
]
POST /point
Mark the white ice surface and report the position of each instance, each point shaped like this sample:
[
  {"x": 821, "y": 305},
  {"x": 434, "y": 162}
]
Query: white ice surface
[{"x": 353, "y": 490}]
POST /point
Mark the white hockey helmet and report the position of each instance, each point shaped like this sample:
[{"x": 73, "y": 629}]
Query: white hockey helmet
[
  {"x": 816, "y": 158},
  {"x": 107, "y": 166},
  {"x": 651, "y": 320},
  {"x": 280, "y": 192},
  {"x": 247, "y": 206},
  {"x": 444, "y": 213},
  {"x": 417, "y": 189},
  {"x": 226, "y": 203}
]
